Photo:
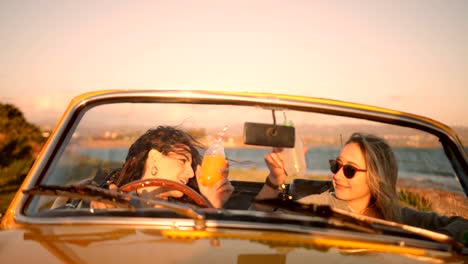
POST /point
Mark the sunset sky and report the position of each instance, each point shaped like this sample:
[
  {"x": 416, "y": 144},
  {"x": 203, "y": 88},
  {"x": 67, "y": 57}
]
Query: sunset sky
[{"x": 405, "y": 55}]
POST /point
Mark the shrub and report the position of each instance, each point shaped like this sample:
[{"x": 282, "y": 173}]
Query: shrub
[{"x": 415, "y": 200}]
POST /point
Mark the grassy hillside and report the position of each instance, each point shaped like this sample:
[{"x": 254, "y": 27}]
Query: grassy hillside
[{"x": 20, "y": 142}]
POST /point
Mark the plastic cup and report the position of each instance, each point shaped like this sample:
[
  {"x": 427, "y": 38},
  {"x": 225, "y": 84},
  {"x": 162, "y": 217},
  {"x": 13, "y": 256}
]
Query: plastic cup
[{"x": 211, "y": 169}]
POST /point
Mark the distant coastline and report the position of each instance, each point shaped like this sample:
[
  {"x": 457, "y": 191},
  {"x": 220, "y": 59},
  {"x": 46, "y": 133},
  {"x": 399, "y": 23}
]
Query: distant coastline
[
  {"x": 314, "y": 135},
  {"x": 104, "y": 143},
  {"x": 116, "y": 143}
]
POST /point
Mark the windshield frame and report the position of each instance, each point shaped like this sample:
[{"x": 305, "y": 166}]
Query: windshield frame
[{"x": 80, "y": 104}]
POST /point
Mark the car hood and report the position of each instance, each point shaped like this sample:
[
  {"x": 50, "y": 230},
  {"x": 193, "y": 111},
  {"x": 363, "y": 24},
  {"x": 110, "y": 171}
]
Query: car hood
[{"x": 84, "y": 244}]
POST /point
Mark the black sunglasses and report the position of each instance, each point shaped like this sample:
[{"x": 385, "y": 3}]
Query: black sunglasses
[{"x": 348, "y": 170}]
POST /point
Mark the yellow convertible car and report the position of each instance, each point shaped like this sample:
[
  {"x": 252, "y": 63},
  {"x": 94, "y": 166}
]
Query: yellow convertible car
[{"x": 86, "y": 200}]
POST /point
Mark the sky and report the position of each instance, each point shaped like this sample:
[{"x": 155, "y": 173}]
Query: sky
[{"x": 410, "y": 56}]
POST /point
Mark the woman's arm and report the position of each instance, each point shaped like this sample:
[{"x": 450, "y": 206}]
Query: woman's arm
[
  {"x": 276, "y": 177},
  {"x": 274, "y": 180},
  {"x": 453, "y": 226}
]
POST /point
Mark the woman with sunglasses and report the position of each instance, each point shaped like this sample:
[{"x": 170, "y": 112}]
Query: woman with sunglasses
[{"x": 364, "y": 181}]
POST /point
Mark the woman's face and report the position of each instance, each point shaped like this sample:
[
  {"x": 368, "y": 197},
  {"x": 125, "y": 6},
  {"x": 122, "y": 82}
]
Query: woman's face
[
  {"x": 175, "y": 166},
  {"x": 355, "y": 190}
]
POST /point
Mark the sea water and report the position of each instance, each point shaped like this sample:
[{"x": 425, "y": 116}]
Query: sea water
[
  {"x": 427, "y": 161},
  {"x": 421, "y": 166}
]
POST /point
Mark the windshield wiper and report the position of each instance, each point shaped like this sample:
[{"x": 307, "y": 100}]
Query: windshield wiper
[
  {"x": 88, "y": 192},
  {"x": 339, "y": 217},
  {"x": 323, "y": 211}
]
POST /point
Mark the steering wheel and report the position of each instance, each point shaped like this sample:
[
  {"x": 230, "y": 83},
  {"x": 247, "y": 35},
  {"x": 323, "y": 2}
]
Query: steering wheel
[{"x": 168, "y": 184}]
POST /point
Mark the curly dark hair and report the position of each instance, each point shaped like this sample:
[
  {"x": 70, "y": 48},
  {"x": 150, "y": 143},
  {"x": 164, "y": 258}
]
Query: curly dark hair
[{"x": 165, "y": 139}]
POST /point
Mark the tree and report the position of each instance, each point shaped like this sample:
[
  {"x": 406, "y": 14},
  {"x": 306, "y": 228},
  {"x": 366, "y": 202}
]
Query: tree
[{"x": 19, "y": 139}]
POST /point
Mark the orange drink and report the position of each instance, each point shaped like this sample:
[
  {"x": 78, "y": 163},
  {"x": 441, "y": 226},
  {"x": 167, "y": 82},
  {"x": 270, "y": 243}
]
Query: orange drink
[{"x": 211, "y": 169}]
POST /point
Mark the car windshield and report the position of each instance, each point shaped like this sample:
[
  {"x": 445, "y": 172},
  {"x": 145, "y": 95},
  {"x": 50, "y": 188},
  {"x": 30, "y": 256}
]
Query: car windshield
[
  {"x": 100, "y": 141},
  {"x": 96, "y": 141}
]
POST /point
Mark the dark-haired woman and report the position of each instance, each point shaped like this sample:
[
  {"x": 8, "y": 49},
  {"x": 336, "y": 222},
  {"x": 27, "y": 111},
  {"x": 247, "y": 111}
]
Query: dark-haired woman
[{"x": 166, "y": 153}]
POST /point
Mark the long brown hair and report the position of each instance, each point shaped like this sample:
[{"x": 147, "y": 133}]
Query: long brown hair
[{"x": 382, "y": 173}]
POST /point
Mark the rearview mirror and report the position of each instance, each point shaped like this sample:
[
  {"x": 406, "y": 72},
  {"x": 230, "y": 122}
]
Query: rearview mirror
[{"x": 269, "y": 135}]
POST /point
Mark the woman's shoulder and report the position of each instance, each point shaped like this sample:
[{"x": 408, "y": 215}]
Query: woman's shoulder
[{"x": 323, "y": 198}]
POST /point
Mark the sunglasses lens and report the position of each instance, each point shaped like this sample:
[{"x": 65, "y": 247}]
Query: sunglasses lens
[
  {"x": 334, "y": 166},
  {"x": 349, "y": 171}
]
